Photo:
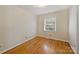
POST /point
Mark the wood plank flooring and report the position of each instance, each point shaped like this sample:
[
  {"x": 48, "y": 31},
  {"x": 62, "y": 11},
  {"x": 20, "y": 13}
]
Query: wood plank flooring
[{"x": 40, "y": 45}]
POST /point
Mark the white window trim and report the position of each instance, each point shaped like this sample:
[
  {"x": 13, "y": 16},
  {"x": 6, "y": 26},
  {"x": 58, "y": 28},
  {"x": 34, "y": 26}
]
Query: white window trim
[{"x": 50, "y": 17}]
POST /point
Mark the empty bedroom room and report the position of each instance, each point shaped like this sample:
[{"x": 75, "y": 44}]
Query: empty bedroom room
[{"x": 38, "y": 29}]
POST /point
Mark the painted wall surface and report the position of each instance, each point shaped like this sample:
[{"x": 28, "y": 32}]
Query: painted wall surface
[
  {"x": 73, "y": 27},
  {"x": 2, "y": 27},
  {"x": 19, "y": 26},
  {"x": 78, "y": 28},
  {"x": 62, "y": 23}
]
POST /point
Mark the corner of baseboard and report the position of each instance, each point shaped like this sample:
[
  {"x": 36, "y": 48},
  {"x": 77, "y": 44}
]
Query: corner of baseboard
[{"x": 73, "y": 49}]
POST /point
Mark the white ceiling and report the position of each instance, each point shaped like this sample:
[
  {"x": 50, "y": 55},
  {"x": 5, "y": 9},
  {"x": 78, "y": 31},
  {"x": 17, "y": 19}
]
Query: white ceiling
[{"x": 46, "y": 9}]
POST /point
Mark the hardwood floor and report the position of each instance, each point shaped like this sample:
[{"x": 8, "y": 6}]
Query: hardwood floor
[{"x": 40, "y": 45}]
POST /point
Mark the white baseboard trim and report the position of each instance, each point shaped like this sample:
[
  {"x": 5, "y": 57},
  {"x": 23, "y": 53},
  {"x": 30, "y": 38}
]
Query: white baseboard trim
[
  {"x": 54, "y": 38},
  {"x": 61, "y": 40},
  {"x": 73, "y": 48},
  {"x": 16, "y": 45}
]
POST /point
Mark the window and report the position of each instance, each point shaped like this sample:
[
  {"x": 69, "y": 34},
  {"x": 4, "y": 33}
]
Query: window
[{"x": 50, "y": 23}]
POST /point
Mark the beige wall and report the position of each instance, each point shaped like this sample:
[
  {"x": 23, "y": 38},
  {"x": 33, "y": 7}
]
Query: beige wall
[
  {"x": 2, "y": 27},
  {"x": 61, "y": 25},
  {"x": 78, "y": 29},
  {"x": 73, "y": 27},
  {"x": 16, "y": 26}
]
